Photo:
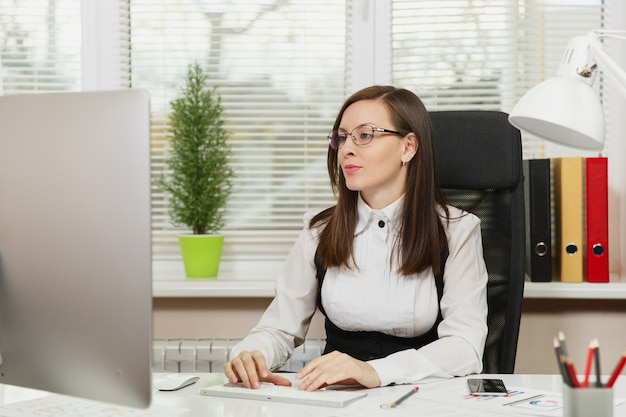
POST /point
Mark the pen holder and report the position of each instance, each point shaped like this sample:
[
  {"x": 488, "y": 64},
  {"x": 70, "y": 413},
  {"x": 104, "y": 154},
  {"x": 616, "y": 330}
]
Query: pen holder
[{"x": 585, "y": 402}]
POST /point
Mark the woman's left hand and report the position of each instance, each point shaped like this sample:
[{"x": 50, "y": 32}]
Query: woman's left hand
[{"x": 337, "y": 368}]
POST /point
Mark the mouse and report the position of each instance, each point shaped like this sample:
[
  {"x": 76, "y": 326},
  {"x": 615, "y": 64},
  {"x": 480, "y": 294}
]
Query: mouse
[{"x": 173, "y": 382}]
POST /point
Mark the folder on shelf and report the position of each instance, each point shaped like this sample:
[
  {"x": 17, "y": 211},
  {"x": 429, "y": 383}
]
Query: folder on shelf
[
  {"x": 568, "y": 177},
  {"x": 597, "y": 195},
  {"x": 538, "y": 221}
]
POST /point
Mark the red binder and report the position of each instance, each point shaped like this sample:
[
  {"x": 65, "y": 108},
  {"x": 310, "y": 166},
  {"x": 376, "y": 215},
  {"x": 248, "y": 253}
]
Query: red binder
[{"x": 597, "y": 220}]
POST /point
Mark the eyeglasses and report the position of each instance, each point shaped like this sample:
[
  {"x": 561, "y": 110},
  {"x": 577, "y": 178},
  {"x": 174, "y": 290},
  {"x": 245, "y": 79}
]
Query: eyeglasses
[{"x": 361, "y": 135}]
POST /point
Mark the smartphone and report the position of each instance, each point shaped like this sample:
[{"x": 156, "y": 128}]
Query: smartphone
[{"x": 486, "y": 386}]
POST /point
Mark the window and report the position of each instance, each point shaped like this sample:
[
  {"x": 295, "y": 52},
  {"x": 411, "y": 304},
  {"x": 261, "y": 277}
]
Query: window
[
  {"x": 40, "y": 46},
  {"x": 283, "y": 69},
  {"x": 486, "y": 54},
  {"x": 279, "y": 67}
]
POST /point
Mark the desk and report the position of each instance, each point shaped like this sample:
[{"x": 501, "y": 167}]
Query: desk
[{"x": 188, "y": 403}]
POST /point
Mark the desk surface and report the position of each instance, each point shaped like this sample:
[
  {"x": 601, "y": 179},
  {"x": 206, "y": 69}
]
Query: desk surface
[{"x": 187, "y": 402}]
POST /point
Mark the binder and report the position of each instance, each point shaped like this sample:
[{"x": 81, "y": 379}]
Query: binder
[
  {"x": 538, "y": 221},
  {"x": 568, "y": 173},
  {"x": 597, "y": 199}
]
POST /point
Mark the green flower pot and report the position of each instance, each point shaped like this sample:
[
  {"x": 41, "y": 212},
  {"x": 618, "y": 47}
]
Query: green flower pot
[{"x": 201, "y": 254}]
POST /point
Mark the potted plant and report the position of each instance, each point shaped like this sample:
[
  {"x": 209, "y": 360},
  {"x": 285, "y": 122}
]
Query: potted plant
[{"x": 199, "y": 179}]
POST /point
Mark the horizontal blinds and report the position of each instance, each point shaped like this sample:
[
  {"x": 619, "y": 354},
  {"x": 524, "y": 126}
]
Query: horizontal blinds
[
  {"x": 279, "y": 68},
  {"x": 63, "y": 45},
  {"x": 40, "y": 46},
  {"x": 469, "y": 55}
]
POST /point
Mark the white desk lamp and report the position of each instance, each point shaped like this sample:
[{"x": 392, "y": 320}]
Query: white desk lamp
[{"x": 565, "y": 109}]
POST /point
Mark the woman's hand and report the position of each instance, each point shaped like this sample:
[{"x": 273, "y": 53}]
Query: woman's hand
[
  {"x": 251, "y": 369},
  {"x": 337, "y": 368}
]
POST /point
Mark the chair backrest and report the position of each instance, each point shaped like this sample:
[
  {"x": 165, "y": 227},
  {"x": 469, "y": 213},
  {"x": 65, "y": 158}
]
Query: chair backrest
[{"x": 479, "y": 166}]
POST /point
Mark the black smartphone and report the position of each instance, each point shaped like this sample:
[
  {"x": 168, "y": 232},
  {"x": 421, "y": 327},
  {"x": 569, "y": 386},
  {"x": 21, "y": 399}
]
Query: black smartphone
[{"x": 486, "y": 386}]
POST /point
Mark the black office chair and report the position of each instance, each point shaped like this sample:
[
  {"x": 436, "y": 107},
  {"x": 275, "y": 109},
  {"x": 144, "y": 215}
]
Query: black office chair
[{"x": 479, "y": 166}]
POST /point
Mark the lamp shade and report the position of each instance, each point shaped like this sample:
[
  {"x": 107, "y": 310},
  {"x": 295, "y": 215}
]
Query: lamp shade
[{"x": 563, "y": 110}]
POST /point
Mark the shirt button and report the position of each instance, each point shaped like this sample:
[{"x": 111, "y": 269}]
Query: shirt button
[{"x": 381, "y": 224}]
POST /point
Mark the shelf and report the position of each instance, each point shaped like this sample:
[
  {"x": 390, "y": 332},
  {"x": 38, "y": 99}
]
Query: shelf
[
  {"x": 614, "y": 290},
  {"x": 256, "y": 280},
  {"x": 247, "y": 280},
  {"x": 191, "y": 288}
]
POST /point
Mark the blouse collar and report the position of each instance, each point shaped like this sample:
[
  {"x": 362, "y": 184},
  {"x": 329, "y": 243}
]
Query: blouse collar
[{"x": 390, "y": 215}]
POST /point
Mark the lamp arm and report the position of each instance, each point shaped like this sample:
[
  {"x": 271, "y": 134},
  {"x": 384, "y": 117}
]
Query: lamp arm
[{"x": 604, "y": 61}]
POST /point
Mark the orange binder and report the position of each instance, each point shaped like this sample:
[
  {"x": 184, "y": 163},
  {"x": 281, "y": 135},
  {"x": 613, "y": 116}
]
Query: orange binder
[
  {"x": 568, "y": 176},
  {"x": 597, "y": 199}
]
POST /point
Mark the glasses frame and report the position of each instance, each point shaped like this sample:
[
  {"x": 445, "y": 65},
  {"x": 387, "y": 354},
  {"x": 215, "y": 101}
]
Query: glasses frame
[{"x": 354, "y": 139}]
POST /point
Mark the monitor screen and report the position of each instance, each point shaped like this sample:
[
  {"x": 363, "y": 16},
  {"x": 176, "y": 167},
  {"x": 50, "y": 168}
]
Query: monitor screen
[{"x": 75, "y": 247}]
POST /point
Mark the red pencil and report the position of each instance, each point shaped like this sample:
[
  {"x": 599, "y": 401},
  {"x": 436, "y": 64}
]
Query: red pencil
[
  {"x": 592, "y": 348},
  {"x": 616, "y": 372},
  {"x": 572, "y": 373}
]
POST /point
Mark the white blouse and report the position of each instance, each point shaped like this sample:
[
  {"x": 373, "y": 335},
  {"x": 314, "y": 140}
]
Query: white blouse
[{"x": 374, "y": 297}]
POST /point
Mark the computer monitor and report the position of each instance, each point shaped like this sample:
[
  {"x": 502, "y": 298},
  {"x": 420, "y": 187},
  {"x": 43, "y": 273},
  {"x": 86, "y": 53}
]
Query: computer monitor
[{"x": 75, "y": 247}]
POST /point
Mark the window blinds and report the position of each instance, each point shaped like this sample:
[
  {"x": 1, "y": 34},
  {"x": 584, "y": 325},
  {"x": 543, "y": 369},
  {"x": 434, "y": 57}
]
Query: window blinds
[
  {"x": 484, "y": 55},
  {"x": 279, "y": 68},
  {"x": 283, "y": 68},
  {"x": 40, "y": 46}
]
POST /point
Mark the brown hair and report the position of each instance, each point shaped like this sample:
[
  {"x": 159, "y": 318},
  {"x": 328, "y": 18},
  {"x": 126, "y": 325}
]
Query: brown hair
[{"x": 422, "y": 237}]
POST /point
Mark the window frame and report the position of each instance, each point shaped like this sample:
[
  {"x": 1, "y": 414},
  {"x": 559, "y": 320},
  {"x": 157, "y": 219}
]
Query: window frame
[{"x": 370, "y": 26}]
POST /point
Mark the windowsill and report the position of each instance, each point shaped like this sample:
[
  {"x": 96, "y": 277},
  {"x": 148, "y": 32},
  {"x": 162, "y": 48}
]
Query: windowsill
[
  {"x": 615, "y": 289},
  {"x": 235, "y": 279},
  {"x": 256, "y": 280}
]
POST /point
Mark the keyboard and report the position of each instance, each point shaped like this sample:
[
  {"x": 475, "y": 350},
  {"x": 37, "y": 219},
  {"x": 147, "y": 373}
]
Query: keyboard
[
  {"x": 59, "y": 405},
  {"x": 326, "y": 397}
]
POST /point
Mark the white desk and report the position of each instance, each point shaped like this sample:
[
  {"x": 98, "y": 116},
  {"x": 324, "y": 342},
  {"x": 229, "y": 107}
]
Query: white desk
[{"x": 187, "y": 402}]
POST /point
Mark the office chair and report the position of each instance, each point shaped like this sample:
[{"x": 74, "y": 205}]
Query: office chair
[{"x": 479, "y": 166}]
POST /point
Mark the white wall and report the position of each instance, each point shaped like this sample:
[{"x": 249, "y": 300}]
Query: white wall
[
  {"x": 542, "y": 319},
  {"x": 616, "y": 131}
]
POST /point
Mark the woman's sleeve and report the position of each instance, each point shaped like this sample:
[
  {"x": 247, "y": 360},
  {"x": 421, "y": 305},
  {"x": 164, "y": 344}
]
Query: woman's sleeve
[
  {"x": 463, "y": 330},
  {"x": 285, "y": 322}
]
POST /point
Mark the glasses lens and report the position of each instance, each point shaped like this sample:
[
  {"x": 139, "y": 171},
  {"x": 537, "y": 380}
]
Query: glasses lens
[
  {"x": 336, "y": 138},
  {"x": 363, "y": 135}
]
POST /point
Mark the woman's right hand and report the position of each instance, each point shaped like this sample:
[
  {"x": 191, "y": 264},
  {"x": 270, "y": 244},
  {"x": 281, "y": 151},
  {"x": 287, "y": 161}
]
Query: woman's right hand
[{"x": 251, "y": 369}]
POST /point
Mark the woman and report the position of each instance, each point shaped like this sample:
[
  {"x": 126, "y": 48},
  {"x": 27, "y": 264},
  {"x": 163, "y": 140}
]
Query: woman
[{"x": 398, "y": 274}]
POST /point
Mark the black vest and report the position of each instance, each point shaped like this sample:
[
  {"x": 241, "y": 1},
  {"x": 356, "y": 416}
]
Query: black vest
[{"x": 374, "y": 345}]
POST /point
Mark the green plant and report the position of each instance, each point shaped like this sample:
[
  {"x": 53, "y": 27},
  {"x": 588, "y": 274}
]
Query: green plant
[{"x": 200, "y": 177}]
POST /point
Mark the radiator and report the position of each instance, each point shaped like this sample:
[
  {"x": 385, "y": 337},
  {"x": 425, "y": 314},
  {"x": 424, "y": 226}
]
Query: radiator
[{"x": 210, "y": 355}]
